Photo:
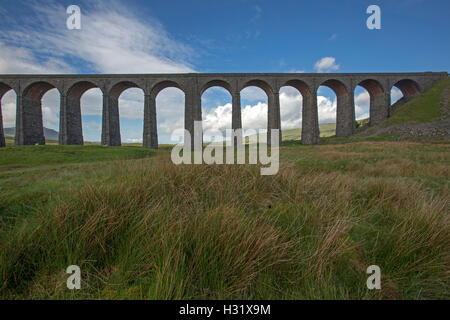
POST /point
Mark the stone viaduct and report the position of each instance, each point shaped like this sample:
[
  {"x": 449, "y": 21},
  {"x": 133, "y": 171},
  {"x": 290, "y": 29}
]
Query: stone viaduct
[{"x": 31, "y": 88}]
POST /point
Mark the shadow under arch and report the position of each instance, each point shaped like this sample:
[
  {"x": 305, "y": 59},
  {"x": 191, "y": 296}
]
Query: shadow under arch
[
  {"x": 121, "y": 86},
  {"x": 408, "y": 87},
  {"x": 157, "y": 88},
  {"x": 217, "y": 83},
  {"x": 260, "y": 84}
]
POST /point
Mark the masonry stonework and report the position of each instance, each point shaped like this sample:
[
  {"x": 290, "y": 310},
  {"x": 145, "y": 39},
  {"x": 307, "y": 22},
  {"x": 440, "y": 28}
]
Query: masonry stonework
[{"x": 31, "y": 88}]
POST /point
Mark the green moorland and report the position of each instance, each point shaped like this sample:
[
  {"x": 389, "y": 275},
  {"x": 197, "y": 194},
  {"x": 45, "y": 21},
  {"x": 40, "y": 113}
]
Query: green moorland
[{"x": 141, "y": 227}]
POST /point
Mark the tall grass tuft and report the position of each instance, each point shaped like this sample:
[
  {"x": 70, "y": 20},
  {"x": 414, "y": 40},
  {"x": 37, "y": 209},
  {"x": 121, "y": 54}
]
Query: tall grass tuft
[{"x": 154, "y": 230}]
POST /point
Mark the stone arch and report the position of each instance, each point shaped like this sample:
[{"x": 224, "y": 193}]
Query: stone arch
[
  {"x": 29, "y": 127},
  {"x": 300, "y": 85},
  {"x": 267, "y": 88},
  {"x": 121, "y": 86},
  {"x": 372, "y": 86},
  {"x": 408, "y": 87},
  {"x": 217, "y": 83},
  {"x": 36, "y": 90},
  {"x": 4, "y": 88},
  {"x": 337, "y": 86},
  {"x": 77, "y": 90},
  {"x": 158, "y": 87}
]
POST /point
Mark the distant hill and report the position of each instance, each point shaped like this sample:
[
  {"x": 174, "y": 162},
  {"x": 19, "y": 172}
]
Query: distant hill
[
  {"x": 49, "y": 134},
  {"x": 326, "y": 130}
]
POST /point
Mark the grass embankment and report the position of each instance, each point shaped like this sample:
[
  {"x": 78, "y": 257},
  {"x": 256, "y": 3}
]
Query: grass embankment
[
  {"x": 29, "y": 156},
  {"x": 152, "y": 230},
  {"x": 424, "y": 108}
]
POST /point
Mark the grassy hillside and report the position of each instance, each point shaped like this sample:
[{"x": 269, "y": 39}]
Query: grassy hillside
[
  {"x": 30, "y": 156},
  {"x": 425, "y": 108},
  {"x": 326, "y": 130},
  {"x": 147, "y": 229}
]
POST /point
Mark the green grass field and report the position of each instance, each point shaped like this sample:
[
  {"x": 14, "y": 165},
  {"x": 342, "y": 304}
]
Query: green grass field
[
  {"x": 147, "y": 229},
  {"x": 141, "y": 227},
  {"x": 422, "y": 109}
]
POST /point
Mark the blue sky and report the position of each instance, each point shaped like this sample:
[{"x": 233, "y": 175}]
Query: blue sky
[{"x": 217, "y": 36}]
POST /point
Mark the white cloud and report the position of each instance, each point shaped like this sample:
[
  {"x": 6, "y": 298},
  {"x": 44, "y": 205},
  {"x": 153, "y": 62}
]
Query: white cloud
[
  {"x": 8, "y": 104},
  {"x": 362, "y": 99},
  {"x": 103, "y": 45},
  {"x": 92, "y": 102},
  {"x": 22, "y": 60},
  {"x": 253, "y": 93},
  {"x": 326, "y": 109},
  {"x": 50, "y": 109},
  {"x": 112, "y": 39},
  {"x": 396, "y": 94},
  {"x": 170, "y": 104},
  {"x": 326, "y": 64}
]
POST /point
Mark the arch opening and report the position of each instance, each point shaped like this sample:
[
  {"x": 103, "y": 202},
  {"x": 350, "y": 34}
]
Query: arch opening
[
  {"x": 36, "y": 91},
  {"x": 404, "y": 90},
  {"x": 170, "y": 112},
  {"x": 335, "y": 85},
  {"x": 369, "y": 103},
  {"x": 291, "y": 109},
  {"x": 362, "y": 100},
  {"x": 131, "y": 113},
  {"x": 217, "y": 111},
  {"x": 83, "y": 114},
  {"x": 164, "y": 85},
  {"x": 91, "y": 108},
  {"x": 77, "y": 90},
  {"x": 51, "y": 102},
  {"x": 408, "y": 87},
  {"x": 254, "y": 109},
  {"x": 327, "y": 111},
  {"x": 122, "y": 86},
  {"x": 8, "y": 99},
  {"x": 217, "y": 83},
  {"x": 259, "y": 84}
]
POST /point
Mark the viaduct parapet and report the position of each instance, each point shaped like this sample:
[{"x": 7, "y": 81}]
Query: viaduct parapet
[{"x": 31, "y": 88}]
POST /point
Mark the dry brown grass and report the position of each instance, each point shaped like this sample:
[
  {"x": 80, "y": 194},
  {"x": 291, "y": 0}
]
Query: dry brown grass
[{"x": 151, "y": 229}]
